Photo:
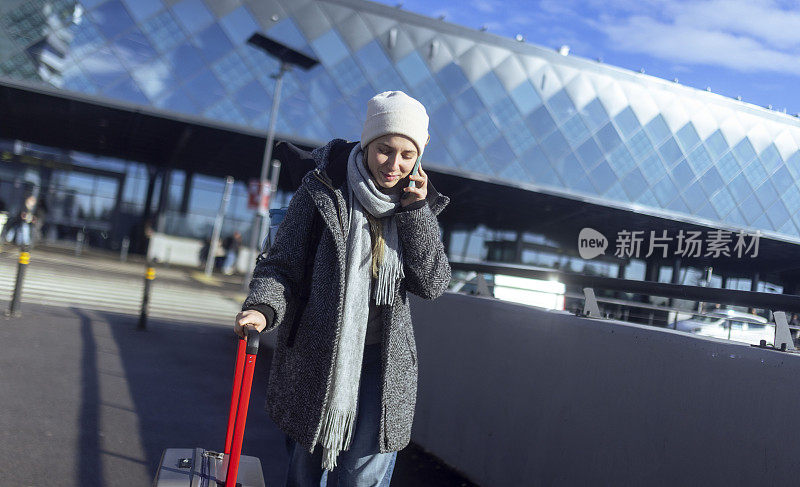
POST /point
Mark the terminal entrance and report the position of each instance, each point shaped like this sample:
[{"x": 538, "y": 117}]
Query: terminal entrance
[{"x": 74, "y": 202}]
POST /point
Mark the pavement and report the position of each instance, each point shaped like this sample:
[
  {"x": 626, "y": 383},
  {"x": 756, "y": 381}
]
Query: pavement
[{"x": 89, "y": 400}]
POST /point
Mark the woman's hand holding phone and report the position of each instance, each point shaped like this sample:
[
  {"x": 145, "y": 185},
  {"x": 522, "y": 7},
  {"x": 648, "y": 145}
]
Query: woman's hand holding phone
[{"x": 418, "y": 190}]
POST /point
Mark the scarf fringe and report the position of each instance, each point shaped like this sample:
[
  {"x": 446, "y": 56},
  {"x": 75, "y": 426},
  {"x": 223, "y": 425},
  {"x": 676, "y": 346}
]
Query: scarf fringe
[
  {"x": 389, "y": 273},
  {"x": 336, "y": 435}
]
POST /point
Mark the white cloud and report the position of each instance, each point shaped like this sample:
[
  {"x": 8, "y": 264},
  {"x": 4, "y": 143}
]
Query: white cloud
[
  {"x": 762, "y": 20},
  {"x": 485, "y": 6},
  {"x": 743, "y": 35},
  {"x": 687, "y": 43}
]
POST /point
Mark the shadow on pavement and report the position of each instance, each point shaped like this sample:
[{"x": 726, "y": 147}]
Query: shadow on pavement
[
  {"x": 91, "y": 401},
  {"x": 180, "y": 378},
  {"x": 90, "y": 468}
]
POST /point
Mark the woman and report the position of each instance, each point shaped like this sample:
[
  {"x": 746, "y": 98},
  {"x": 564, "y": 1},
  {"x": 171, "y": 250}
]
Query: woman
[{"x": 354, "y": 241}]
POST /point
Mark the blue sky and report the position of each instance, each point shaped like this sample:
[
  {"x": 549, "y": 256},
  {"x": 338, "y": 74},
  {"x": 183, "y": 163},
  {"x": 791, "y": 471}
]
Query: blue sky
[{"x": 747, "y": 48}]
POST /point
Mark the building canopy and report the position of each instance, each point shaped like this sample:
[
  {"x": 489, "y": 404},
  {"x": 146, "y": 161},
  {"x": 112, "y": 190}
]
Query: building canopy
[{"x": 163, "y": 139}]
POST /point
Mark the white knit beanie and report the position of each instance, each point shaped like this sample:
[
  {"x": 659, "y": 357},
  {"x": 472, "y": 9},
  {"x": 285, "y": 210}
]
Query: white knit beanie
[{"x": 394, "y": 112}]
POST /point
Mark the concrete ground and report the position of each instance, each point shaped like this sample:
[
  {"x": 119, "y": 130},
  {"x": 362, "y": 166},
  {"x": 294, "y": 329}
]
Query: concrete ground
[{"x": 87, "y": 400}]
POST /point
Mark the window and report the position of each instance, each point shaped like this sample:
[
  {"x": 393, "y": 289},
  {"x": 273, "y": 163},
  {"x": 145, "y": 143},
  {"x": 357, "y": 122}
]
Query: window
[
  {"x": 413, "y": 69},
  {"x": 608, "y": 137},
  {"x": 102, "y": 67},
  {"x": 141, "y": 9},
  {"x": 766, "y": 194},
  {"x": 717, "y": 144},
  {"x": 603, "y": 177},
  {"x": 239, "y": 25},
  {"x": 226, "y": 111},
  {"x": 372, "y": 58},
  {"x": 322, "y": 91},
  {"x": 723, "y": 202},
  {"x": 233, "y": 72},
  {"x": 665, "y": 191},
  {"x": 86, "y": 38},
  {"x": 541, "y": 123},
  {"x": 213, "y": 43},
  {"x": 330, "y": 48},
  {"x": 163, "y": 32},
  {"x": 711, "y": 181},
  {"x": 777, "y": 214},
  {"x": 571, "y": 171},
  {"x": 461, "y": 144},
  {"x": 452, "y": 78},
  {"x": 429, "y": 94},
  {"x": 155, "y": 79},
  {"x": 504, "y": 111},
  {"x": 594, "y": 114},
  {"x": 751, "y": 209},
  {"x": 755, "y": 173},
  {"x": 688, "y": 137},
  {"x": 525, "y": 97},
  {"x": 347, "y": 75},
  {"x": 699, "y": 159},
  {"x": 589, "y": 153},
  {"x": 575, "y": 130},
  {"x": 518, "y": 135},
  {"x": 185, "y": 61},
  {"x": 728, "y": 166},
  {"x": 683, "y": 174},
  {"x": 744, "y": 152},
  {"x": 467, "y": 104},
  {"x": 287, "y": 32},
  {"x": 640, "y": 145},
  {"x": 740, "y": 187},
  {"x": 621, "y": 160},
  {"x": 561, "y": 106},
  {"x": 483, "y": 129},
  {"x": 634, "y": 184},
  {"x": 670, "y": 152},
  {"x": 204, "y": 88},
  {"x": 652, "y": 167},
  {"x": 782, "y": 179},
  {"x": 112, "y": 19},
  {"x": 658, "y": 130},
  {"x": 489, "y": 89},
  {"x": 499, "y": 155},
  {"x": 694, "y": 197},
  {"x": 555, "y": 146},
  {"x": 193, "y": 14},
  {"x": 445, "y": 120},
  {"x": 253, "y": 100},
  {"x": 770, "y": 158},
  {"x": 627, "y": 122}
]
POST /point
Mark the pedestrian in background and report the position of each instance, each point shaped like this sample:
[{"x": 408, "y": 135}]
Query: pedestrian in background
[
  {"x": 232, "y": 245},
  {"x": 20, "y": 232},
  {"x": 355, "y": 240}
]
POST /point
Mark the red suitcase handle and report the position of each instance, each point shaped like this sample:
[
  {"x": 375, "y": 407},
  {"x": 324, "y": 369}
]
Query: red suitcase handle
[{"x": 240, "y": 399}]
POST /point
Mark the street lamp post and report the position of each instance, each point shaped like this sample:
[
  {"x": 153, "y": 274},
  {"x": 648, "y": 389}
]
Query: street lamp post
[{"x": 288, "y": 58}]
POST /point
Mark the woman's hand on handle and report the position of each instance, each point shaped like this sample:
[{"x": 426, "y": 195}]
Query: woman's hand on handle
[{"x": 249, "y": 317}]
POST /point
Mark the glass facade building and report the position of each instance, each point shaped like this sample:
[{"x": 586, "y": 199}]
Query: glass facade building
[{"x": 500, "y": 109}]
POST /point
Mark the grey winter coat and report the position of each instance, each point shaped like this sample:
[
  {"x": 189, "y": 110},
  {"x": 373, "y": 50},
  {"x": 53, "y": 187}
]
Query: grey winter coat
[{"x": 308, "y": 315}]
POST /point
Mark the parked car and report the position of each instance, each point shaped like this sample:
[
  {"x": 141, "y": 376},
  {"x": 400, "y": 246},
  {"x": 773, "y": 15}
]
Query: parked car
[{"x": 731, "y": 325}]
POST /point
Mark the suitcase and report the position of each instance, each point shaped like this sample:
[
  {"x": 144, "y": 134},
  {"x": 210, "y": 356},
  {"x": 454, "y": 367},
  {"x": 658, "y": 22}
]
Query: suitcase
[{"x": 198, "y": 467}]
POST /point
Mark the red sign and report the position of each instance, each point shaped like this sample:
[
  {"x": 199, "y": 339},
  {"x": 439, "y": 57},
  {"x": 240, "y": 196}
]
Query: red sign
[{"x": 254, "y": 191}]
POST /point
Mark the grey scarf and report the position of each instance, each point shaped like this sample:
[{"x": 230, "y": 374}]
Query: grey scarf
[{"x": 340, "y": 412}]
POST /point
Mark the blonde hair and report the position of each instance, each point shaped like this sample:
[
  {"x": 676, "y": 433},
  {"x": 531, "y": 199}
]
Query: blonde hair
[
  {"x": 375, "y": 231},
  {"x": 378, "y": 246}
]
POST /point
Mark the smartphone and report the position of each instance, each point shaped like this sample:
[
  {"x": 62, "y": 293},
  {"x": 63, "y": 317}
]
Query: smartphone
[{"x": 414, "y": 172}]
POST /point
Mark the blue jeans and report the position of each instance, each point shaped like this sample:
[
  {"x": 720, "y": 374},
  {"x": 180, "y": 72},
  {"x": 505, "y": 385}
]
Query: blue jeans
[
  {"x": 21, "y": 235},
  {"x": 362, "y": 465},
  {"x": 230, "y": 261}
]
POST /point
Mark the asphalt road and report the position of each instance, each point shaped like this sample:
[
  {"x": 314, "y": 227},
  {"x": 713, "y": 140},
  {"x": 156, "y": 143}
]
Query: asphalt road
[{"x": 87, "y": 400}]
